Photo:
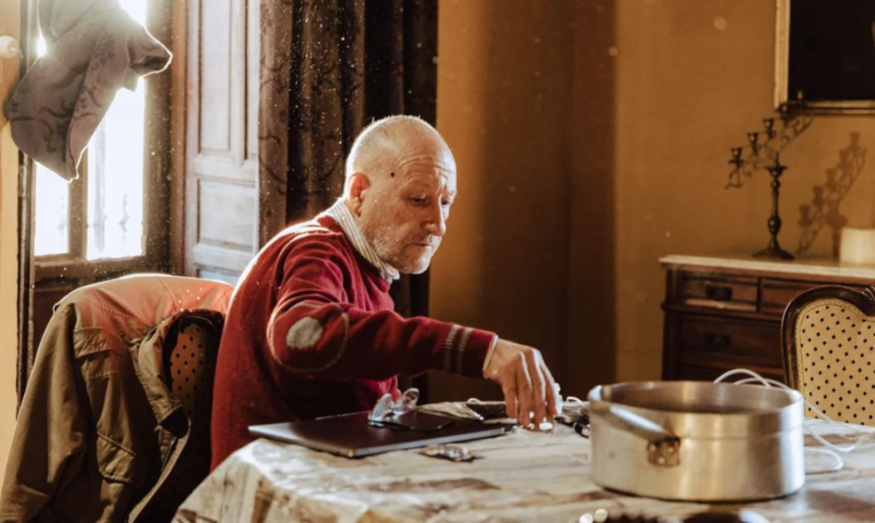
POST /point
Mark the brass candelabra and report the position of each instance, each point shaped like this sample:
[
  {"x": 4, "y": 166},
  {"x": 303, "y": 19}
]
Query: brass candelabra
[{"x": 765, "y": 154}]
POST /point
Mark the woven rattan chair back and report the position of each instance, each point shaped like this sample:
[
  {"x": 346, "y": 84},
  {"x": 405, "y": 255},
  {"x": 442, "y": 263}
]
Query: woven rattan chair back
[{"x": 829, "y": 351}]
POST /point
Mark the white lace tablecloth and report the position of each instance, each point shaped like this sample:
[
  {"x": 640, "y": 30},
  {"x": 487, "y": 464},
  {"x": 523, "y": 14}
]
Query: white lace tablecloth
[{"x": 521, "y": 477}]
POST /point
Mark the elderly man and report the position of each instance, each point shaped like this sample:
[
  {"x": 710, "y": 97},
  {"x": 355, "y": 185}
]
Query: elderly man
[{"x": 311, "y": 329}]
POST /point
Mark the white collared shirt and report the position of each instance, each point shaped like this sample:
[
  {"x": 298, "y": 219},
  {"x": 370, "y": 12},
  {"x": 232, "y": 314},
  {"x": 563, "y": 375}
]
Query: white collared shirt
[{"x": 342, "y": 215}]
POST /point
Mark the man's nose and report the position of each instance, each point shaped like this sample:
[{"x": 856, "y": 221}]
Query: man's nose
[{"x": 435, "y": 223}]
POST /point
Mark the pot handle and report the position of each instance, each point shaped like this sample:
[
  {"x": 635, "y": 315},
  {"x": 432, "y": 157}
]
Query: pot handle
[{"x": 630, "y": 422}]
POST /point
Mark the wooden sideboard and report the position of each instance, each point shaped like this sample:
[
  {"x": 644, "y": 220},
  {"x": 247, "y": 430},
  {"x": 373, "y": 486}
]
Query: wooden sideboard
[{"x": 725, "y": 313}]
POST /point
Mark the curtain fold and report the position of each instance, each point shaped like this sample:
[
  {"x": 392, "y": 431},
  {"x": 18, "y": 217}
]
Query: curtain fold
[{"x": 328, "y": 68}]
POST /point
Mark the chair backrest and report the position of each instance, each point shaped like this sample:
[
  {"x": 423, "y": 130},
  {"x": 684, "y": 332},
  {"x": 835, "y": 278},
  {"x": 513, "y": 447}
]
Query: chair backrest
[
  {"x": 190, "y": 351},
  {"x": 98, "y": 364},
  {"x": 828, "y": 336}
]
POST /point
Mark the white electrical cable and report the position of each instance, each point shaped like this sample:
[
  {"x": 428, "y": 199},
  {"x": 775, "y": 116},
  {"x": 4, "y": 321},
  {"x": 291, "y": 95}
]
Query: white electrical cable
[
  {"x": 855, "y": 442},
  {"x": 838, "y": 462},
  {"x": 575, "y": 400}
]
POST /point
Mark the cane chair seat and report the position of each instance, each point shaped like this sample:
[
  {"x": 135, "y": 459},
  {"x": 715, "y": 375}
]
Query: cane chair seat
[{"x": 829, "y": 352}]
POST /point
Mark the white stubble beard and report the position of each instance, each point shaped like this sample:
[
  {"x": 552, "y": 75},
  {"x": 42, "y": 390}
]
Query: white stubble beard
[{"x": 385, "y": 249}]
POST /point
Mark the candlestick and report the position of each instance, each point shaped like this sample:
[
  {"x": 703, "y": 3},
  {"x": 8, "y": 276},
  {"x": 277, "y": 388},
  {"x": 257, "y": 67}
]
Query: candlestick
[
  {"x": 774, "y": 249},
  {"x": 736, "y": 159},
  {"x": 753, "y": 138},
  {"x": 769, "y": 124}
]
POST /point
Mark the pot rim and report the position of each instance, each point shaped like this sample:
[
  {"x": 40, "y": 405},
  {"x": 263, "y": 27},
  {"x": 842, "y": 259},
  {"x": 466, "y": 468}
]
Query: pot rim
[
  {"x": 780, "y": 411},
  {"x": 600, "y": 392}
]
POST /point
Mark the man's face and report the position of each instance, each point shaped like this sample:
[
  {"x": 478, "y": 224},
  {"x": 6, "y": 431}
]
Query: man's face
[{"x": 404, "y": 212}]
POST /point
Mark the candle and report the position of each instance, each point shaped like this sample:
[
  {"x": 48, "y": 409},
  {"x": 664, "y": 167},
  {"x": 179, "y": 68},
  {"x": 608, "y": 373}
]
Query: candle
[{"x": 858, "y": 246}]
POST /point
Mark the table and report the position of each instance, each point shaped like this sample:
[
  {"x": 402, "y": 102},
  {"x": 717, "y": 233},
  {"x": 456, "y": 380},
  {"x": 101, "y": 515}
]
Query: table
[{"x": 524, "y": 476}]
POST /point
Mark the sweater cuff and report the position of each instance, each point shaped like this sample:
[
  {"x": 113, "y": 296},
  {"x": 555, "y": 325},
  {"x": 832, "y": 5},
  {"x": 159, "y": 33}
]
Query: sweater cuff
[
  {"x": 486, "y": 361},
  {"x": 465, "y": 350}
]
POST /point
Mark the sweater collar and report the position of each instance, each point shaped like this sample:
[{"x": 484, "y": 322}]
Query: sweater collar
[{"x": 342, "y": 215}]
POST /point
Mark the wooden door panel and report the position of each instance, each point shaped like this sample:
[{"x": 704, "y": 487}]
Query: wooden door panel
[
  {"x": 227, "y": 168},
  {"x": 227, "y": 215},
  {"x": 209, "y": 258},
  {"x": 222, "y": 155},
  {"x": 214, "y": 88}
]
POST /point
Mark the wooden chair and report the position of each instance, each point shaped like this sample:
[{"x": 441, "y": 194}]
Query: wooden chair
[
  {"x": 828, "y": 336},
  {"x": 104, "y": 433}
]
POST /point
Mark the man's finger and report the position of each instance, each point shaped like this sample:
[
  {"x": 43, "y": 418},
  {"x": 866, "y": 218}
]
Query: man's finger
[
  {"x": 550, "y": 385},
  {"x": 510, "y": 399},
  {"x": 538, "y": 394},
  {"x": 523, "y": 392},
  {"x": 553, "y": 398}
]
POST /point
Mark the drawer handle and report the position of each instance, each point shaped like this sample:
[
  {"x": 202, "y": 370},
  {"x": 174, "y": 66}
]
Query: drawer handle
[
  {"x": 718, "y": 292},
  {"x": 718, "y": 341}
]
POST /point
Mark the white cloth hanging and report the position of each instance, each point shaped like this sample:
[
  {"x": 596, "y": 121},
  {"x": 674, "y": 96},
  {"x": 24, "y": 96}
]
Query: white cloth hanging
[{"x": 94, "y": 48}]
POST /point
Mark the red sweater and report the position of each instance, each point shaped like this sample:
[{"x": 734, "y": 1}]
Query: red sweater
[{"x": 311, "y": 332}]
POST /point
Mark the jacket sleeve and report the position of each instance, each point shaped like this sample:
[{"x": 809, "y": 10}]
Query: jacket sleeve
[
  {"x": 314, "y": 330},
  {"x": 49, "y": 442}
]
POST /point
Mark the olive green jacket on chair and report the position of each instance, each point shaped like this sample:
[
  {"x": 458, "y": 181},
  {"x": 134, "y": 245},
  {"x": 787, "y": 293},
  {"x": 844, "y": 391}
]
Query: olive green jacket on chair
[{"x": 98, "y": 429}]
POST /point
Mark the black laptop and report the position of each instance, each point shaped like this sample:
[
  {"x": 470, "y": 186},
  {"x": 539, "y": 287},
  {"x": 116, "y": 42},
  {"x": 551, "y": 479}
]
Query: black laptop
[{"x": 352, "y": 436}]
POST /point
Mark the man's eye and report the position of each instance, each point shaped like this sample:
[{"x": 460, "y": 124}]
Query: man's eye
[
  {"x": 418, "y": 201},
  {"x": 446, "y": 203}
]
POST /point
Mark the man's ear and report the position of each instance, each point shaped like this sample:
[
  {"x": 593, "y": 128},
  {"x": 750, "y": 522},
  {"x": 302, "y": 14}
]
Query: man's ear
[{"x": 357, "y": 186}]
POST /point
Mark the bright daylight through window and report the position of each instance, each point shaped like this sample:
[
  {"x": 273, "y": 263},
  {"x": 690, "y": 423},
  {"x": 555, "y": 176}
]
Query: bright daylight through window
[{"x": 114, "y": 181}]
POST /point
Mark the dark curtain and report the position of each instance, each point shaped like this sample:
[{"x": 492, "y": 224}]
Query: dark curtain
[{"x": 328, "y": 68}]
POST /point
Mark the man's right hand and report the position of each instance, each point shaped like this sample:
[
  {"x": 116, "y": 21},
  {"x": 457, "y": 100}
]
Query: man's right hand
[{"x": 525, "y": 381}]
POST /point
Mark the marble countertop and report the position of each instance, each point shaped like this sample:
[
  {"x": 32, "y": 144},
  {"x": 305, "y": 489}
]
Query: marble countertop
[{"x": 815, "y": 267}]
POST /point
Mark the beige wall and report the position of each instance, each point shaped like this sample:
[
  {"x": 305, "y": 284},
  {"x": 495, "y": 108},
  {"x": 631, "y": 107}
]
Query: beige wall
[
  {"x": 503, "y": 86},
  {"x": 685, "y": 92},
  {"x": 569, "y": 200},
  {"x": 9, "y": 25}
]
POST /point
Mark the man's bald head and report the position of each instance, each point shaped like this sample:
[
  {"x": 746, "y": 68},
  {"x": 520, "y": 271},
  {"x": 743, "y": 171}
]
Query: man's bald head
[
  {"x": 400, "y": 184},
  {"x": 385, "y": 143}
]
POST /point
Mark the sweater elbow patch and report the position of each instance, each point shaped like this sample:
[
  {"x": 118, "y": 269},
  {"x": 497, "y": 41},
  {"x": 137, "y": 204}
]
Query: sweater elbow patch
[
  {"x": 315, "y": 341},
  {"x": 304, "y": 334}
]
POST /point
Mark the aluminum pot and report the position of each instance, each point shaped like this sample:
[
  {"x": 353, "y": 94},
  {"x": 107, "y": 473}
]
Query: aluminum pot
[{"x": 697, "y": 441}]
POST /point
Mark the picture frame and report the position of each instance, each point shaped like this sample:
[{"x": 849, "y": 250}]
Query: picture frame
[{"x": 825, "y": 56}]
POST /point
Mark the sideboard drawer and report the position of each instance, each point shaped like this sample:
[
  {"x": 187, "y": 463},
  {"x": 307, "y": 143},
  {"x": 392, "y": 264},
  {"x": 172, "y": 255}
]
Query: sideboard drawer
[
  {"x": 728, "y": 339},
  {"x": 725, "y": 313},
  {"x": 778, "y": 293},
  {"x": 732, "y": 293}
]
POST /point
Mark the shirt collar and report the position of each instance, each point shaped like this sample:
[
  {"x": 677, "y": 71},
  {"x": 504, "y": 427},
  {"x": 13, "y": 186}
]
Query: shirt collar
[{"x": 342, "y": 215}]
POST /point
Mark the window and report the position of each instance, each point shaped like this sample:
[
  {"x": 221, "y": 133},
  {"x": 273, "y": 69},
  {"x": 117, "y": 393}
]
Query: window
[{"x": 100, "y": 215}]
